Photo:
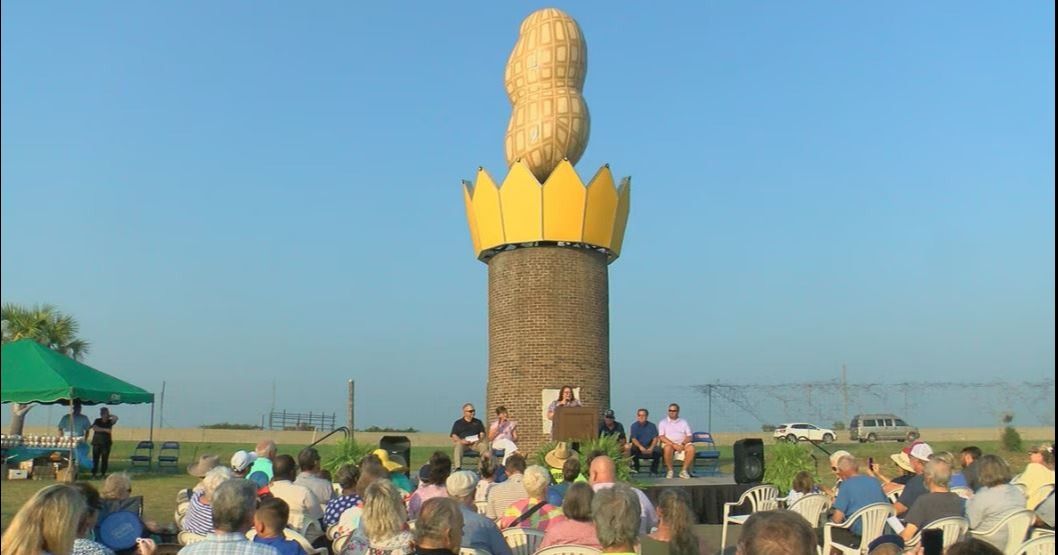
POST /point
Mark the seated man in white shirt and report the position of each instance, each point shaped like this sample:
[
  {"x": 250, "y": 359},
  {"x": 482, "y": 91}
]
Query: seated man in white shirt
[
  {"x": 676, "y": 435},
  {"x": 305, "y": 507}
]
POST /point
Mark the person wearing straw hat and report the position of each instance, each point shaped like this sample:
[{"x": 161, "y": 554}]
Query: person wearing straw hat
[
  {"x": 919, "y": 453},
  {"x": 557, "y": 457},
  {"x": 395, "y": 465},
  {"x": 201, "y": 467}
]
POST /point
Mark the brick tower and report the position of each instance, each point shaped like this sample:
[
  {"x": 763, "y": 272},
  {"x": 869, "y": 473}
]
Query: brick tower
[{"x": 546, "y": 236}]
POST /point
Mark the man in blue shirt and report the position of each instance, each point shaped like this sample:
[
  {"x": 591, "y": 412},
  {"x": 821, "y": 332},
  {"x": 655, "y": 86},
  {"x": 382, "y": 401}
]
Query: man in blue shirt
[
  {"x": 644, "y": 441},
  {"x": 855, "y": 492}
]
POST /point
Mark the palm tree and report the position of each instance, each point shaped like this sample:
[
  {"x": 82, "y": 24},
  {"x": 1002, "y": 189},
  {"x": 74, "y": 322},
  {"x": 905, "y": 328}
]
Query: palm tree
[{"x": 47, "y": 326}]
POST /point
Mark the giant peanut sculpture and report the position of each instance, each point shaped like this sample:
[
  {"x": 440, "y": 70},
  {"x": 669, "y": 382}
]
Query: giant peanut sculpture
[
  {"x": 547, "y": 236},
  {"x": 544, "y": 79}
]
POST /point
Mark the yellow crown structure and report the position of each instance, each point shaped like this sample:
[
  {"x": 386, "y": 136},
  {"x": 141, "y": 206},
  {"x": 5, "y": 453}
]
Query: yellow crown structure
[{"x": 561, "y": 210}]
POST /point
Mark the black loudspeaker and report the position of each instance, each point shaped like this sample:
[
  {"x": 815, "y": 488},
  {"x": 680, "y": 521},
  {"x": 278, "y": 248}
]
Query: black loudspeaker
[
  {"x": 398, "y": 445},
  {"x": 749, "y": 461}
]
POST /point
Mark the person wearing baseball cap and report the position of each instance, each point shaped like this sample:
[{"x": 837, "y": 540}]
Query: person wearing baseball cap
[
  {"x": 479, "y": 532},
  {"x": 241, "y": 462},
  {"x": 918, "y": 454},
  {"x": 611, "y": 427}
]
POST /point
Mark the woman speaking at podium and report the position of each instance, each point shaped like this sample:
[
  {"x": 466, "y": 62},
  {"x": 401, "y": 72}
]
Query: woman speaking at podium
[{"x": 566, "y": 398}]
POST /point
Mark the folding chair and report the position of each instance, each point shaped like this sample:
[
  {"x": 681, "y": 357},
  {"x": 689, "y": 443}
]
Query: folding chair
[
  {"x": 811, "y": 507},
  {"x": 1043, "y": 545},
  {"x": 522, "y": 541},
  {"x": 705, "y": 450},
  {"x": 1014, "y": 524},
  {"x": 760, "y": 498},
  {"x": 169, "y": 455},
  {"x": 872, "y": 522},
  {"x": 142, "y": 455},
  {"x": 953, "y": 527}
]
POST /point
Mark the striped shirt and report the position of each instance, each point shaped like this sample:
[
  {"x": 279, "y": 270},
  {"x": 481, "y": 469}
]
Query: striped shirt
[
  {"x": 545, "y": 516},
  {"x": 504, "y": 495},
  {"x": 199, "y": 517}
]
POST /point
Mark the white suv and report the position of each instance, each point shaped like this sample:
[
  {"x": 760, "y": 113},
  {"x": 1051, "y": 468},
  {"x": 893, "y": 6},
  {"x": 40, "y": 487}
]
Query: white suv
[{"x": 800, "y": 431}]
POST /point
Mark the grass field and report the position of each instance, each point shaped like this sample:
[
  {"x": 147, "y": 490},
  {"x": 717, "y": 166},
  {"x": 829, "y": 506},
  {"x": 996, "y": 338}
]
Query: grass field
[{"x": 159, "y": 489}]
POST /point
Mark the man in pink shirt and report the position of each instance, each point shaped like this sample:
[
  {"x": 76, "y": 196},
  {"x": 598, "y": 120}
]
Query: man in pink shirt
[{"x": 675, "y": 435}]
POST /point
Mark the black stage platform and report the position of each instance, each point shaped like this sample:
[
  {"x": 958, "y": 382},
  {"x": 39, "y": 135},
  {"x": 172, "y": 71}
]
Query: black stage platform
[{"x": 708, "y": 493}]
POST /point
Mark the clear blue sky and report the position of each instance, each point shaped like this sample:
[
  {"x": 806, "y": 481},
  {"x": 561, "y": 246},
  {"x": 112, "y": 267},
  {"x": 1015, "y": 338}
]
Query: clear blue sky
[{"x": 230, "y": 194}]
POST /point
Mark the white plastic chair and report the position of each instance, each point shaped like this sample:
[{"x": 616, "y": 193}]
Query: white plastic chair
[
  {"x": 954, "y": 528},
  {"x": 872, "y": 522},
  {"x": 894, "y": 495},
  {"x": 568, "y": 550},
  {"x": 481, "y": 506},
  {"x": 339, "y": 543},
  {"x": 811, "y": 507},
  {"x": 760, "y": 498},
  {"x": 523, "y": 541},
  {"x": 963, "y": 492},
  {"x": 1014, "y": 524},
  {"x": 472, "y": 551},
  {"x": 1043, "y": 545}
]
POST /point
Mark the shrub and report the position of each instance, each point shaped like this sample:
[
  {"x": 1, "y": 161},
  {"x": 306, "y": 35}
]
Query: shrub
[
  {"x": 768, "y": 428},
  {"x": 783, "y": 461},
  {"x": 1010, "y": 439},
  {"x": 608, "y": 445},
  {"x": 346, "y": 451},
  {"x": 838, "y": 426}
]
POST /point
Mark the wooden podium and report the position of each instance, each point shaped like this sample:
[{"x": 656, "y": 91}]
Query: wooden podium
[{"x": 574, "y": 424}]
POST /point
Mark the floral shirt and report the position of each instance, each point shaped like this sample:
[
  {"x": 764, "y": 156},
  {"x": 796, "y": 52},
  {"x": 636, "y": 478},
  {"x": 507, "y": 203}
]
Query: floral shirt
[{"x": 401, "y": 544}]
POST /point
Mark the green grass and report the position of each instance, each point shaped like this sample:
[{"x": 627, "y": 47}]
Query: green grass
[{"x": 159, "y": 489}]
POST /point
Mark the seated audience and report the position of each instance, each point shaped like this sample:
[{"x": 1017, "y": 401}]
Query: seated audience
[
  {"x": 371, "y": 471},
  {"x": 503, "y": 495},
  {"x": 996, "y": 497},
  {"x": 570, "y": 474},
  {"x": 261, "y": 470},
  {"x": 478, "y": 531},
  {"x": 439, "y": 529},
  {"x": 269, "y": 521},
  {"x": 84, "y": 545},
  {"x": 305, "y": 508},
  {"x": 938, "y": 502},
  {"x": 676, "y": 524},
  {"x": 577, "y": 528},
  {"x": 1038, "y": 472},
  {"x": 234, "y": 503},
  {"x": 309, "y": 476},
  {"x": 777, "y": 533},
  {"x": 957, "y": 479},
  {"x": 968, "y": 457},
  {"x": 616, "y": 513},
  {"x": 347, "y": 476},
  {"x": 440, "y": 466},
  {"x": 803, "y": 484},
  {"x": 199, "y": 517},
  {"x": 241, "y": 462},
  {"x": 533, "y": 511},
  {"x": 396, "y": 466},
  {"x": 46, "y": 524},
  {"x": 918, "y": 453},
  {"x": 384, "y": 524},
  {"x": 856, "y": 492},
  {"x": 603, "y": 475},
  {"x": 487, "y": 473}
]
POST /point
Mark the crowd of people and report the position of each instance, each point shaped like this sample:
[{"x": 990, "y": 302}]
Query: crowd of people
[
  {"x": 266, "y": 503},
  {"x": 978, "y": 487}
]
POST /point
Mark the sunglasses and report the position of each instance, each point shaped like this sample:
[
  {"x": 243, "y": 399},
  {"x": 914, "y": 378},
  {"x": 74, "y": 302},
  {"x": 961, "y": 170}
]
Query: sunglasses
[{"x": 471, "y": 411}]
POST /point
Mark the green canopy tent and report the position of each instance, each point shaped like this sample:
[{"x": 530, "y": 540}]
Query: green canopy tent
[{"x": 32, "y": 373}]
